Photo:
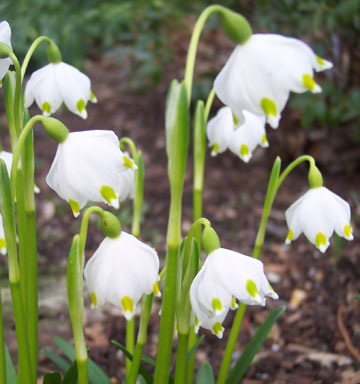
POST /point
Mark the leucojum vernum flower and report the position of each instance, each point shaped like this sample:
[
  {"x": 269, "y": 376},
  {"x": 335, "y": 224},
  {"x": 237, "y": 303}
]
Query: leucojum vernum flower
[{"x": 91, "y": 166}]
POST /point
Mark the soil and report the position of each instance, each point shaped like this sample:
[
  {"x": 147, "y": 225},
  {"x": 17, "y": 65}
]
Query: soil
[{"x": 312, "y": 340}]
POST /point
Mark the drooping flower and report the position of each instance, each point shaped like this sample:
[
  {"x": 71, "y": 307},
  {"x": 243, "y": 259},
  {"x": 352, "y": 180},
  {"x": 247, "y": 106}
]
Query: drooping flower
[
  {"x": 58, "y": 83},
  {"x": 86, "y": 168},
  {"x": 248, "y": 136},
  {"x": 219, "y": 129},
  {"x": 318, "y": 213},
  {"x": 121, "y": 271},
  {"x": 5, "y": 36},
  {"x": 2, "y": 238},
  {"x": 225, "y": 277},
  {"x": 127, "y": 183},
  {"x": 260, "y": 74}
]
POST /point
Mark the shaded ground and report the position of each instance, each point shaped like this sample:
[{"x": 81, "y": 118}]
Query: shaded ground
[{"x": 306, "y": 345}]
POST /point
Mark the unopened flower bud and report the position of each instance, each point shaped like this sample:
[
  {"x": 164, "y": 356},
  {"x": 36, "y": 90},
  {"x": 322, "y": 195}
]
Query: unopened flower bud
[
  {"x": 110, "y": 225},
  {"x": 235, "y": 26},
  {"x": 55, "y": 129},
  {"x": 210, "y": 240}
]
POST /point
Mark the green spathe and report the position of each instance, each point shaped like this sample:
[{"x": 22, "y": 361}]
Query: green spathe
[
  {"x": 210, "y": 240},
  {"x": 235, "y": 26},
  {"x": 55, "y": 129},
  {"x": 110, "y": 225}
]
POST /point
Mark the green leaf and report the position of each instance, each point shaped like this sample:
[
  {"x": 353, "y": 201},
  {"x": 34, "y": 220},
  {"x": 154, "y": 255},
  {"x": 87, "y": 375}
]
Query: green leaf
[
  {"x": 194, "y": 347},
  {"x": 205, "y": 374},
  {"x": 96, "y": 374},
  {"x": 52, "y": 378},
  {"x": 199, "y": 145},
  {"x": 10, "y": 370},
  {"x": 252, "y": 348},
  {"x": 71, "y": 375},
  {"x": 142, "y": 370},
  {"x": 59, "y": 361},
  {"x": 357, "y": 297}
]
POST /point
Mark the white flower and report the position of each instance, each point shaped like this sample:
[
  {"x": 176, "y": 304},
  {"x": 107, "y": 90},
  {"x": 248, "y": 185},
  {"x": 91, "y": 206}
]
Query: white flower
[
  {"x": 87, "y": 167},
  {"x": 318, "y": 213},
  {"x": 56, "y": 83},
  {"x": 127, "y": 183},
  {"x": 260, "y": 74},
  {"x": 121, "y": 271},
  {"x": 2, "y": 237},
  {"x": 225, "y": 277},
  {"x": 219, "y": 129},
  {"x": 248, "y": 136},
  {"x": 5, "y": 36}
]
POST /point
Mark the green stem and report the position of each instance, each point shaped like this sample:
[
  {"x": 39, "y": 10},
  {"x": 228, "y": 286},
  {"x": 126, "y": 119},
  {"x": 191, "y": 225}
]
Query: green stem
[
  {"x": 132, "y": 146},
  {"x": 291, "y": 166},
  {"x": 191, "y": 56},
  {"x": 235, "y": 329},
  {"x": 130, "y": 341},
  {"x": 30, "y": 52},
  {"x": 167, "y": 321},
  {"x": 209, "y": 103},
  {"x": 181, "y": 361},
  {"x": 191, "y": 362},
  {"x": 17, "y": 106},
  {"x": 2, "y": 347},
  {"x": 146, "y": 305}
]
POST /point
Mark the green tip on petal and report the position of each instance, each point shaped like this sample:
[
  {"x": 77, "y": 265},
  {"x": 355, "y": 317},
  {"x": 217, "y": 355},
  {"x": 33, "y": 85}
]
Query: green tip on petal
[
  {"x": 216, "y": 304},
  {"x": 215, "y": 149},
  {"x": 321, "y": 242},
  {"x": 264, "y": 141},
  {"x": 270, "y": 110},
  {"x": 75, "y": 207},
  {"x": 233, "y": 303},
  {"x": 93, "y": 98},
  {"x": 251, "y": 288},
  {"x": 320, "y": 60},
  {"x": 156, "y": 290},
  {"x": 80, "y": 106},
  {"x": 310, "y": 84},
  {"x": 245, "y": 153},
  {"x": 93, "y": 299},
  {"x": 128, "y": 163},
  {"x": 289, "y": 236},
  {"x": 109, "y": 196},
  {"x": 128, "y": 307},
  {"x": 235, "y": 120},
  {"x": 2, "y": 246},
  {"x": 46, "y": 108},
  {"x": 348, "y": 232},
  {"x": 218, "y": 329}
]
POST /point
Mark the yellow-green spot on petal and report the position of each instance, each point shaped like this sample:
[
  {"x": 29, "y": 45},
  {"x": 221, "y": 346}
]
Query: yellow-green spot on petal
[
  {"x": 127, "y": 162},
  {"x": 156, "y": 289},
  {"x": 251, "y": 288},
  {"x": 271, "y": 288},
  {"x": 216, "y": 304},
  {"x": 217, "y": 328},
  {"x": 215, "y": 148},
  {"x": 92, "y": 96},
  {"x": 46, "y": 108},
  {"x": 93, "y": 299},
  {"x": 127, "y": 304},
  {"x": 347, "y": 230},
  {"x": 320, "y": 60},
  {"x": 196, "y": 321},
  {"x": 233, "y": 302},
  {"x": 244, "y": 151},
  {"x": 108, "y": 193},
  {"x": 264, "y": 139},
  {"x": 2, "y": 243},
  {"x": 75, "y": 207},
  {"x": 80, "y": 105},
  {"x": 320, "y": 239},
  {"x": 308, "y": 81},
  {"x": 235, "y": 120},
  {"x": 290, "y": 235},
  {"x": 268, "y": 106}
]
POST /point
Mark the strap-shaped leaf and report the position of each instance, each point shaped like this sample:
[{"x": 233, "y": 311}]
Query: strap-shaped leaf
[
  {"x": 71, "y": 375},
  {"x": 10, "y": 370},
  {"x": 252, "y": 348},
  {"x": 96, "y": 374},
  {"x": 52, "y": 378},
  {"x": 194, "y": 347},
  {"x": 205, "y": 374},
  {"x": 57, "y": 360}
]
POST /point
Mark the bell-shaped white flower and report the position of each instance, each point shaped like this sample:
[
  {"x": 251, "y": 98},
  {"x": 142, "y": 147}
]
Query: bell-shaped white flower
[
  {"x": 127, "y": 183},
  {"x": 260, "y": 74},
  {"x": 59, "y": 83},
  {"x": 121, "y": 271},
  {"x": 219, "y": 129},
  {"x": 318, "y": 213},
  {"x": 86, "y": 168},
  {"x": 2, "y": 238},
  {"x": 248, "y": 136},
  {"x": 225, "y": 277},
  {"x": 5, "y": 36}
]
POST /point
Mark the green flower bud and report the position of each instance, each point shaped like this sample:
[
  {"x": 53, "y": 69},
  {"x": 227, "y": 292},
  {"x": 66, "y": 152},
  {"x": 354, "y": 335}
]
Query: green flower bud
[
  {"x": 110, "y": 225},
  {"x": 55, "y": 129},
  {"x": 235, "y": 26},
  {"x": 315, "y": 177},
  {"x": 210, "y": 240},
  {"x": 53, "y": 53}
]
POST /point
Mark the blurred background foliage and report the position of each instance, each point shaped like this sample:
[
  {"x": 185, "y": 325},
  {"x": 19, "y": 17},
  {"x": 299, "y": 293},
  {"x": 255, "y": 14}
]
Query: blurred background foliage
[{"x": 140, "y": 32}]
